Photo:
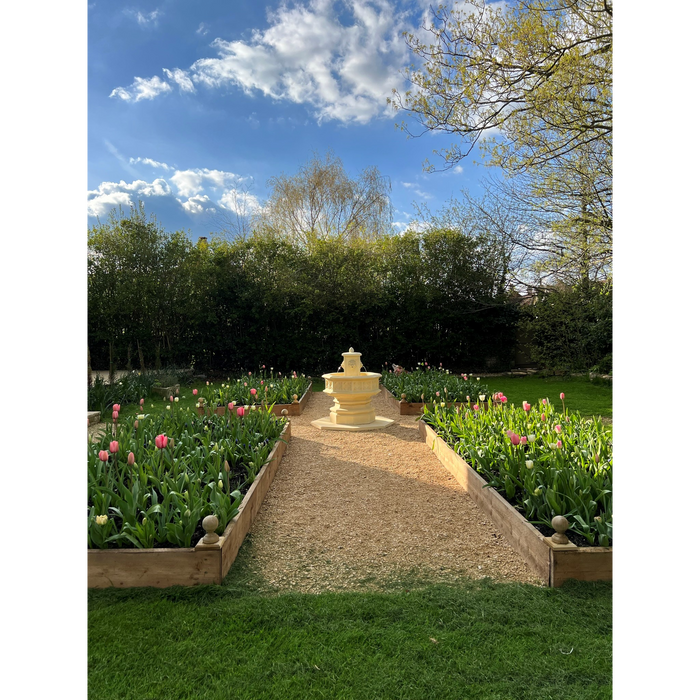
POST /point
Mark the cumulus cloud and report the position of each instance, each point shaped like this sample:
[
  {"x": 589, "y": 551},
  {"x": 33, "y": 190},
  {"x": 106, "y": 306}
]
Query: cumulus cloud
[
  {"x": 308, "y": 56},
  {"x": 197, "y": 191},
  {"x": 142, "y": 89}
]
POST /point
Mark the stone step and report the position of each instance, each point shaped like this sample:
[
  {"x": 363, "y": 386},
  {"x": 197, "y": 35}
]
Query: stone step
[{"x": 93, "y": 417}]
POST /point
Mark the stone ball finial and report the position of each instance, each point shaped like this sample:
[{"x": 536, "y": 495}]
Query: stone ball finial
[
  {"x": 561, "y": 525},
  {"x": 284, "y": 411},
  {"x": 210, "y": 523},
  {"x": 351, "y": 350}
]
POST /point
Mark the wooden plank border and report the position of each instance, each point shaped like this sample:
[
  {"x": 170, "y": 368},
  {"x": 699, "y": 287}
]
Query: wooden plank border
[
  {"x": 551, "y": 564},
  {"x": 202, "y": 564}
]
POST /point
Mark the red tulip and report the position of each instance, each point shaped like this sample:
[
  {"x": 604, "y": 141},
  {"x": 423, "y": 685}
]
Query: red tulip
[
  {"x": 103, "y": 455},
  {"x": 240, "y": 411},
  {"x": 130, "y": 459},
  {"x": 114, "y": 446},
  {"x": 194, "y": 392}
]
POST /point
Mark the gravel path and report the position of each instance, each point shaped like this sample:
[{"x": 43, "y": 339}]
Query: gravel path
[{"x": 353, "y": 511}]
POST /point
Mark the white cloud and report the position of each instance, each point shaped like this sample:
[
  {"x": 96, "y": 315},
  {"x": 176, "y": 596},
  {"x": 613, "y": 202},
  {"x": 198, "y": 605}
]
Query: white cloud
[
  {"x": 181, "y": 78},
  {"x": 412, "y": 186},
  {"x": 151, "y": 162},
  {"x": 144, "y": 20},
  {"x": 114, "y": 194},
  {"x": 240, "y": 201},
  {"x": 307, "y": 56},
  {"x": 202, "y": 29},
  {"x": 198, "y": 204},
  {"x": 142, "y": 89},
  {"x": 193, "y": 181}
]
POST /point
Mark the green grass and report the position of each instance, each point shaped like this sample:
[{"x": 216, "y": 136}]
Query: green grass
[{"x": 477, "y": 640}]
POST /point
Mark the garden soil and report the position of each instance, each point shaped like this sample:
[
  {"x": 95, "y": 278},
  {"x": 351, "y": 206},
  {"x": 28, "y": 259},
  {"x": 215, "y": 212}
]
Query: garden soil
[{"x": 366, "y": 510}]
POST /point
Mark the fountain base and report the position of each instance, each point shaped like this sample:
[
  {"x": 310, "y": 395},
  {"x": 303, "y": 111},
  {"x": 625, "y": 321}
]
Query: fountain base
[{"x": 326, "y": 424}]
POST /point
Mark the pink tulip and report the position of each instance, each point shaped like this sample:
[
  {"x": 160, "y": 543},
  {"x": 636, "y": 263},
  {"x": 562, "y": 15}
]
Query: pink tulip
[
  {"x": 504, "y": 399},
  {"x": 523, "y": 440},
  {"x": 231, "y": 405},
  {"x": 263, "y": 366},
  {"x": 171, "y": 399},
  {"x": 476, "y": 406},
  {"x": 515, "y": 439},
  {"x": 141, "y": 402},
  {"x": 543, "y": 417},
  {"x": 114, "y": 446},
  {"x": 261, "y": 382},
  {"x": 245, "y": 383},
  {"x": 115, "y": 415},
  {"x": 253, "y": 392},
  {"x": 557, "y": 428},
  {"x": 559, "y": 444},
  {"x": 250, "y": 373},
  {"x": 136, "y": 424},
  {"x": 240, "y": 411},
  {"x": 509, "y": 432},
  {"x": 130, "y": 459},
  {"x": 194, "y": 392},
  {"x": 103, "y": 455},
  {"x": 544, "y": 402},
  {"x": 116, "y": 407},
  {"x": 161, "y": 441},
  {"x": 526, "y": 406},
  {"x": 437, "y": 393},
  {"x": 561, "y": 396}
]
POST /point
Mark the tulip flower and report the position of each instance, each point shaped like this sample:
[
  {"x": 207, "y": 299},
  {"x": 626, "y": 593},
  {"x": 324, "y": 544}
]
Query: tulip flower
[
  {"x": 194, "y": 392},
  {"x": 141, "y": 402},
  {"x": 177, "y": 398},
  {"x": 130, "y": 459},
  {"x": 515, "y": 439},
  {"x": 116, "y": 407},
  {"x": 171, "y": 399},
  {"x": 161, "y": 441},
  {"x": 559, "y": 444},
  {"x": 557, "y": 428},
  {"x": 504, "y": 399},
  {"x": 101, "y": 519},
  {"x": 529, "y": 464},
  {"x": 543, "y": 417},
  {"x": 531, "y": 438},
  {"x": 136, "y": 425},
  {"x": 476, "y": 406},
  {"x": 103, "y": 455},
  {"x": 526, "y": 406},
  {"x": 253, "y": 392},
  {"x": 482, "y": 397},
  {"x": 240, "y": 411},
  {"x": 596, "y": 458},
  {"x": 437, "y": 393},
  {"x": 544, "y": 402},
  {"x": 115, "y": 415},
  {"x": 561, "y": 396},
  {"x": 114, "y": 446},
  {"x": 523, "y": 440}
]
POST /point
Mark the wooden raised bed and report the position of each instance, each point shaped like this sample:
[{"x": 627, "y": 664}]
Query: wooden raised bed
[
  {"x": 406, "y": 408},
  {"x": 126, "y": 568},
  {"x": 166, "y": 391},
  {"x": 553, "y": 563},
  {"x": 293, "y": 409}
]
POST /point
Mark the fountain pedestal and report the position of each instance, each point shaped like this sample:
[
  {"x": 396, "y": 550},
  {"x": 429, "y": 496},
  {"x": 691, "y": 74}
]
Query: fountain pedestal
[{"x": 352, "y": 391}]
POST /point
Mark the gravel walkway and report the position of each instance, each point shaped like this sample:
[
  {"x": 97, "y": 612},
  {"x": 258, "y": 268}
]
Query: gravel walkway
[{"x": 355, "y": 511}]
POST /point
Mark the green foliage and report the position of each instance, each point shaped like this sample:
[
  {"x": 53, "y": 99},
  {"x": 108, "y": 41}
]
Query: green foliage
[
  {"x": 163, "y": 494},
  {"x": 434, "y": 386},
  {"x": 545, "y": 463},
  {"x": 571, "y": 328}
]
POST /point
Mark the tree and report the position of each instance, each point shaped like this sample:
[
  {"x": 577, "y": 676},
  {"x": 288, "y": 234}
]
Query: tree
[
  {"x": 321, "y": 202},
  {"x": 137, "y": 283},
  {"x": 532, "y": 82}
]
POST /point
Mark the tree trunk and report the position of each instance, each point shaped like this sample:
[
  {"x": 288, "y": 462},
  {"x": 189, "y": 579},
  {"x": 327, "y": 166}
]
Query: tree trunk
[
  {"x": 128, "y": 357},
  {"x": 140, "y": 353},
  {"x": 89, "y": 369},
  {"x": 111, "y": 362}
]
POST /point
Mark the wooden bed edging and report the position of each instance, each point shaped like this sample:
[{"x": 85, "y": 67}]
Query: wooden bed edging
[
  {"x": 552, "y": 565},
  {"x": 160, "y": 568}
]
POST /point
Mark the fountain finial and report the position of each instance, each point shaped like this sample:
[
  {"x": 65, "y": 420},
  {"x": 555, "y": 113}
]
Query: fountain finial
[{"x": 351, "y": 350}]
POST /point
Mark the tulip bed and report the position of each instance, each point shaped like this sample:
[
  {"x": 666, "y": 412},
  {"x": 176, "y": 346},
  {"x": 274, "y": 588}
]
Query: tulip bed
[
  {"x": 436, "y": 384},
  {"x": 254, "y": 388},
  {"x": 153, "y": 482},
  {"x": 543, "y": 462}
]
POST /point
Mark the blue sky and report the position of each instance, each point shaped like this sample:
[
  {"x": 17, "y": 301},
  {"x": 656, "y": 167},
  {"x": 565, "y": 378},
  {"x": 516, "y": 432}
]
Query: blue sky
[{"x": 193, "y": 107}]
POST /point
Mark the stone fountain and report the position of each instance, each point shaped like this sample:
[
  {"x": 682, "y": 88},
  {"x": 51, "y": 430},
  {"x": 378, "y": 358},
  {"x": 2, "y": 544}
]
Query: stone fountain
[{"x": 352, "y": 391}]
